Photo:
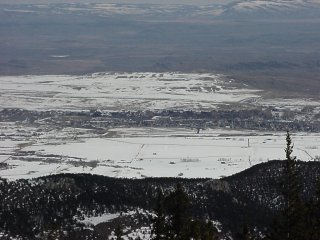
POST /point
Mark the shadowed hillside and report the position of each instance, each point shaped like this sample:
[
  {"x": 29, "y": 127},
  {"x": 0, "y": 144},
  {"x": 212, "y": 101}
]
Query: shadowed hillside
[{"x": 56, "y": 203}]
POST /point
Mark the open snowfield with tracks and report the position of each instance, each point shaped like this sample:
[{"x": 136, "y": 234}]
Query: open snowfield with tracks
[{"x": 147, "y": 152}]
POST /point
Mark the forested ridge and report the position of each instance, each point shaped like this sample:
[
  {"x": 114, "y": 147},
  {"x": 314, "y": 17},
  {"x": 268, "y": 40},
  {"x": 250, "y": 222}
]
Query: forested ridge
[{"x": 51, "y": 206}]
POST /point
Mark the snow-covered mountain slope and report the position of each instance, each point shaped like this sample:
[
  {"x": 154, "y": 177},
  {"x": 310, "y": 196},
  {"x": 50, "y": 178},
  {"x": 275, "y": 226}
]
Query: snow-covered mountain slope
[
  {"x": 233, "y": 8},
  {"x": 272, "y": 5},
  {"x": 294, "y": 8}
]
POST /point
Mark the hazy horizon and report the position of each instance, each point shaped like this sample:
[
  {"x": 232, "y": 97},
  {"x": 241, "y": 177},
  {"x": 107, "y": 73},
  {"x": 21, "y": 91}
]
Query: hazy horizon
[{"x": 199, "y": 2}]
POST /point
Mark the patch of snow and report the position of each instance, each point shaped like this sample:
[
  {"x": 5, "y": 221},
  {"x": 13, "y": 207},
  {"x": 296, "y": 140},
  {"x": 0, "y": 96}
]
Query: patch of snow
[{"x": 100, "y": 219}]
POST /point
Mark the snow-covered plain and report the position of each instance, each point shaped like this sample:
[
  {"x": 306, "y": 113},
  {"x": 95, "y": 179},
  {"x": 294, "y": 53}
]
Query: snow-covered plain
[
  {"x": 134, "y": 91},
  {"x": 149, "y": 152},
  {"x": 128, "y": 91}
]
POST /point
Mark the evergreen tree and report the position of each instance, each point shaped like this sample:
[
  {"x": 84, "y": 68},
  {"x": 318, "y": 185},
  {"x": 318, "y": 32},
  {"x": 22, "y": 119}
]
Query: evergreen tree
[
  {"x": 179, "y": 223},
  {"x": 159, "y": 221},
  {"x": 317, "y": 213},
  {"x": 290, "y": 226},
  {"x": 208, "y": 231},
  {"x": 201, "y": 230},
  {"x": 195, "y": 230},
  {"x": 178, "y": 208},
  {"x": 118, "y": 232},
  {"x": 245, "y": 233},
  {"x": 313, "y": 217}
]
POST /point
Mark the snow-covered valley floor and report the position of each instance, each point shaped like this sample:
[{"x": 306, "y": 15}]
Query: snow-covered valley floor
[{"x": 148, "y": 152}]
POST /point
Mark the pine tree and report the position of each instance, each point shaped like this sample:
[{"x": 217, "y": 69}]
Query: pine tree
[
  {"x": 290, "y": 226},
  {"x": 159, "y": 221},
  {"x": 174, "y": 221},
  {"x": 118, "y": 232},
  {"x": 208, "y": 232},
  {"x": 317, "y": 213},
  {"x": 178, "y": 208},
  {"x": 195, "y": 230},
  {"x": 245, "y": 233},
  {"x": 313, "y": 216}
]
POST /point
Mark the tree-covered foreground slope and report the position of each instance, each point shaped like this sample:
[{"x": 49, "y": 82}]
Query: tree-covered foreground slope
[{"x": 54, "y": 207}]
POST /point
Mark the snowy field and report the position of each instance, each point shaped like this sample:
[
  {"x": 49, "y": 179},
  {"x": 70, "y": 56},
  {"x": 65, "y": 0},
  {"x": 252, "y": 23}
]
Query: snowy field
[
  {"x": 110, "y": 91},
  {"x": 135, "y": 91},
  {"x": 148, "y": 152}
]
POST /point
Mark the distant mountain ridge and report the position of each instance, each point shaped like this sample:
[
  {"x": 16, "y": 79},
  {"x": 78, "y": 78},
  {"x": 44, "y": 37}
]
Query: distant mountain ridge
[
  {"x": 241, "y": 9},
  {"x": 280, "y": 8}
]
